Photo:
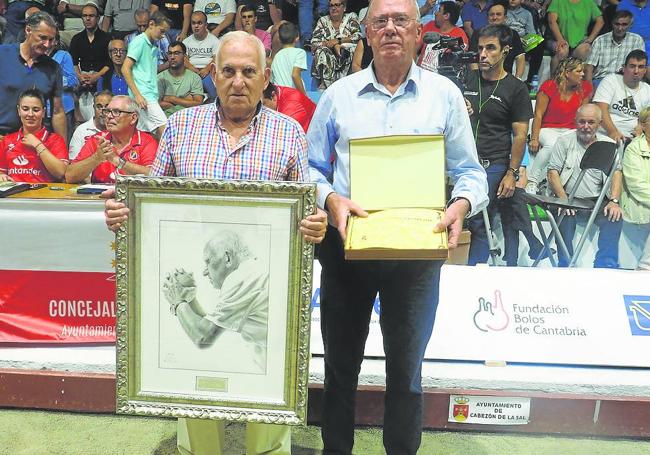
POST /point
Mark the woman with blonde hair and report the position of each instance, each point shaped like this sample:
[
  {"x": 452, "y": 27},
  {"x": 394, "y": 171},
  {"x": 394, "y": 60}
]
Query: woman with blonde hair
[
  {"x": 558, "y": 100},
  {"x": 635, "y": 199}
]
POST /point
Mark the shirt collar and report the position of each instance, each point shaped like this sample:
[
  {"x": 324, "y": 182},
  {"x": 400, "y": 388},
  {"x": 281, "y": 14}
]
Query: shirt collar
[
  {"x": 149, "y": 42},
  {"x": 611, "y": 37},
  {"x": 136, "y": 140},
  {"x": 41, "y": 134},
  {"x": 644, "y": 150},
  {"x": 369, "y": 82},
  {"x": 254, "y": 121},
  {"x": 35, "y": 60}
]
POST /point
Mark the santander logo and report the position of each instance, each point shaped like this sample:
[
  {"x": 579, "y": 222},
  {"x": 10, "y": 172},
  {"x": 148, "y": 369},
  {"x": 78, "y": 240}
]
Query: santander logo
[{"x": 20, "y": 160}]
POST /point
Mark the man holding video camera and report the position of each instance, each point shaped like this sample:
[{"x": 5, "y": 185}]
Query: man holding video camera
[{"x": 443, "y": 24}]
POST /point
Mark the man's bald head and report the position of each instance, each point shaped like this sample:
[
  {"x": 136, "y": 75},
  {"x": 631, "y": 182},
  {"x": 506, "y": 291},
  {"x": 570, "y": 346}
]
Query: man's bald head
[{"x": 589, "y": 110}]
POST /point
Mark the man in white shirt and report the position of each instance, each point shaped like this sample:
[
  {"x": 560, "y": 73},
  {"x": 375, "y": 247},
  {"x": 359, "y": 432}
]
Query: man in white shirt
[
  {"x": 201, "y": 46},
  {"x": 563, "y": 171},
  {"x": 621, "y": 97},
  {"x": 92, "y": 126}
]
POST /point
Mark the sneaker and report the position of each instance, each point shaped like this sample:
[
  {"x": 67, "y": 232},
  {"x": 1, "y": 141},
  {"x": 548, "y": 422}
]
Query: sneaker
[{"x": 531, "y": 188}]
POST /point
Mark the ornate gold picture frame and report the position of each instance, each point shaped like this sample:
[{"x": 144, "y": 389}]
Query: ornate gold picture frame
[{"x": 213, "y": 296}]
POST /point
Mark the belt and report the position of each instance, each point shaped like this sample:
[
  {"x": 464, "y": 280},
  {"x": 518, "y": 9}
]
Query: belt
[{"x": 487, "y": 163}]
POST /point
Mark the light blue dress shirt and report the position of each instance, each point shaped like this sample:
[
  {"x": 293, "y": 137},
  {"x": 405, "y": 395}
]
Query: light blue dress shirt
[{"x": 358, "y": 106}]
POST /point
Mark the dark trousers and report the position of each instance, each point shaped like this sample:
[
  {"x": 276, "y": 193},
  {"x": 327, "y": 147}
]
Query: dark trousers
[
  {"x": 479, "y": 250},
  {"x": 609, "y": 234},
  {"x": 409, "y": 296},
  {"x": 535, "y": 57}
]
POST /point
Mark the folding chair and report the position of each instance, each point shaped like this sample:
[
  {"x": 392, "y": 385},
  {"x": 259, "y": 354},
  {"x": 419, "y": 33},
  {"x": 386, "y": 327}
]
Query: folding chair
[
  {"x": 495, "y": 251},
  {"x": 601, "y": 155}
]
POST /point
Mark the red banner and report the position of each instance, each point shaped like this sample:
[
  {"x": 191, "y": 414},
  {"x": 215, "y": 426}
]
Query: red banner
[{"x": 57, "y": 307}]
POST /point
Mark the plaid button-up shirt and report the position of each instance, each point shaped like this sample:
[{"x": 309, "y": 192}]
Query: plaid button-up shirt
[
  {"x": 607, "y": 56},
  {"x": 196, "y": 145}
]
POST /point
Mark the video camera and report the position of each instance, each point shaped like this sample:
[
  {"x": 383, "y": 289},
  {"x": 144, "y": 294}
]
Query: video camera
[{"x": 453, "y": 61}]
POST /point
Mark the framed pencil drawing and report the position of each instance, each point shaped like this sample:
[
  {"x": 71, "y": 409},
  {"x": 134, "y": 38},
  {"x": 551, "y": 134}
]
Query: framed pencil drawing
[{"x": 213, "y": 295}]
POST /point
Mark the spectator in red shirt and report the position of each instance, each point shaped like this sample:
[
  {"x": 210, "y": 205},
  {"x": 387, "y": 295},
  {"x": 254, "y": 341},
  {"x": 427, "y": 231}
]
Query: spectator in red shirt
[
  {"x": 558, "y": 100},
  {"x": 290, "y": 102},
  {"x": 122, "y": 149},
  {"x": 32, "y": 154}
]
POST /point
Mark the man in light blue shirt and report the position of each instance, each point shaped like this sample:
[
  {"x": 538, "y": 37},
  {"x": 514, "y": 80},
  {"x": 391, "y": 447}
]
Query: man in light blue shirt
[{"x": 391, "y": 97}]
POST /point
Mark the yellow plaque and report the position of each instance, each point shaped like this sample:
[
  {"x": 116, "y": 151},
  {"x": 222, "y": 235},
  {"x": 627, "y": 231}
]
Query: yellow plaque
[
  {"x": 396, "y": 234},
  {"x": 400, "y": 182}
]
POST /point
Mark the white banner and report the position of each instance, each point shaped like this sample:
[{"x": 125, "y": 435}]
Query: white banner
[
  {"x": 55, "y": 235},
  {"x": 489, "y": 410},
  {"x": 531, "y": 315}
]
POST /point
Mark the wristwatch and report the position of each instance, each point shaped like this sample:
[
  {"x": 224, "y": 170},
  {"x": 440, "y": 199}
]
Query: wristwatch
[
  {"x": 451, "y": 201},
  {"x": 339, "y": 40},
  {"x": 515, "y": 173},
  {"x": 614, "y": 200},
  {"x": 121, "y": 163}
]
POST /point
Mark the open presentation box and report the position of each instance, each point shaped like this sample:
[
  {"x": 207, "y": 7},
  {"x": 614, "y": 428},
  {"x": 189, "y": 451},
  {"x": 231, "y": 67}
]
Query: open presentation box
[{"x": 400, "y": 182}]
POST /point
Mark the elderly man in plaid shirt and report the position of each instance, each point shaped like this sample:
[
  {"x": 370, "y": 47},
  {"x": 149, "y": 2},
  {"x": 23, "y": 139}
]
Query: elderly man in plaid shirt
[
  {"x": 610, "y": 49},
  {"x": 234, "y": 138}
]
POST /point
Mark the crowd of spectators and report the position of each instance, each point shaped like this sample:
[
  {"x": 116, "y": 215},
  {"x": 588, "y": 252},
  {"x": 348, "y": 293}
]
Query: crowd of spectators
[{"x": 87, "y": 86}]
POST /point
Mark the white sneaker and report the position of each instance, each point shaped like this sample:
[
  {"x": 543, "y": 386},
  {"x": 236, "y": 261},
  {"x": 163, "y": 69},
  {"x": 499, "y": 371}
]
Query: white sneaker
[{"x": 531, "y": 188}]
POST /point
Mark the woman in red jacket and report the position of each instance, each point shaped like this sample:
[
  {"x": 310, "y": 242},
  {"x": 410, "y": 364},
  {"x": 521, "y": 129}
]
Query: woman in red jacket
[{"x": 32, "y": 154}]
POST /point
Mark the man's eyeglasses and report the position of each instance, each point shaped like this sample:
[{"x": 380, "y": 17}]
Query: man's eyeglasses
[
  {"x": 174, "y": 53},
  {"x": 118, "y": 51},
  {"x": 398, "y": 21},
  {"x": 115, "y": 112},
  {"x": 336, "y": 5}
]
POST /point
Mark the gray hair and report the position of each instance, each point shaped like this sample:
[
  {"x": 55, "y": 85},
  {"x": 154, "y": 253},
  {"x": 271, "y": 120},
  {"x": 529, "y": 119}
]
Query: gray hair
[
  {"x": 104, "y": 92},
  {"x": 241, "y": 35},
  {"x": 35, "y": 20},
  {"x": 414, "y": 4},
  {"x": 131, "y": 105},
  {"x": 141, "y": 12},
  {"x": 228, "y": 242},
  {"x": 582, "y": 110}
]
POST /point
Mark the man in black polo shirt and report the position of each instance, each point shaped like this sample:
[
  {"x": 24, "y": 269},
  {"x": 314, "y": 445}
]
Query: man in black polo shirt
[
  {"x": 89, "y": 50},
  {"x": 179, "y": 12},
  {"x": 26, "y": 65},
  {"x": 501, "y": 111}
]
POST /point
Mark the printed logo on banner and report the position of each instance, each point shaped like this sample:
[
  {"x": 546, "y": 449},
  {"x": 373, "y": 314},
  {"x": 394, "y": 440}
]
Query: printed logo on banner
[
  {"x": 491, "y": 316},
  {"x": 315, "y": 302},
  {"x": 638, "y": 313},
  {"x": 461, "y": 409}
]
